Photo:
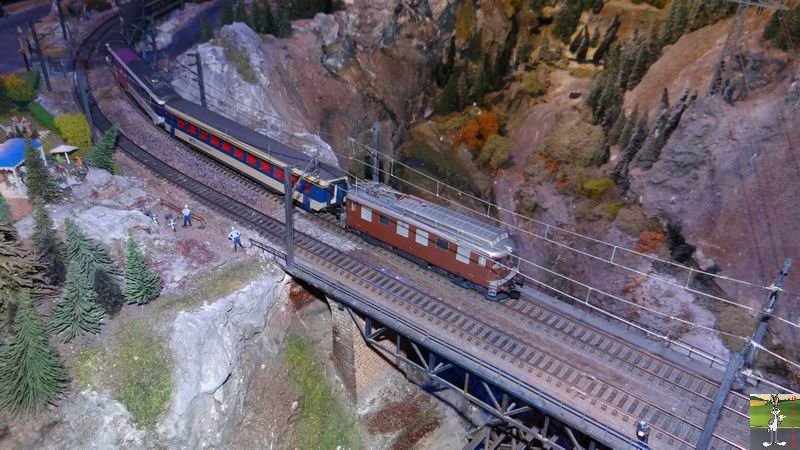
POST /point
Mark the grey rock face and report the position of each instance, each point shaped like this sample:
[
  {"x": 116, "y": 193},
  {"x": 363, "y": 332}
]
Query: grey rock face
[{"x": 207, "y": 346}]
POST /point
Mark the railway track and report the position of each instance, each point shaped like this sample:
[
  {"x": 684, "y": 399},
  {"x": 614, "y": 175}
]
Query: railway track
[{"x": 679, "y": 431}]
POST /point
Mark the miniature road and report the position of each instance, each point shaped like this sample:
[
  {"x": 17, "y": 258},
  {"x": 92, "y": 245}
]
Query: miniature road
[{"x": 606, "y": 378}]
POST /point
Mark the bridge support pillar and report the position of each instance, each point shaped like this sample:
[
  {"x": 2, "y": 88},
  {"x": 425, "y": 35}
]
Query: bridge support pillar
[{"x": 362, "y": 369}]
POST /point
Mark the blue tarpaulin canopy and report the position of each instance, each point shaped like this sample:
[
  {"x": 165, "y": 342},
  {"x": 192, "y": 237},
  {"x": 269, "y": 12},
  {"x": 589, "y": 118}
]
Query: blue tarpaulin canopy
[{"x": 12, "y": 152}]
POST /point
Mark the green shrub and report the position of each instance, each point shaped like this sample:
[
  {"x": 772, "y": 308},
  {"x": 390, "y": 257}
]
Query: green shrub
[
  {"x": 495, "y": 152},
  {"x": 74, "y": 129},
  {"x": 97, "y": 5},
  {"x": 241, "y": 61},
  {"x": 43, "y": 116},
  {"x": 531, "y": 84},
  {"x": 32, "y": 79},
  {"x": 783, "y": 29},
  {"x": 595, "y": 187},
  {"x": 16, "y": 89}
]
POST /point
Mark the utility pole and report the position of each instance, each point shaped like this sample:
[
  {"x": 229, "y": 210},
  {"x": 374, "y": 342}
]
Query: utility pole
[
  {"x": 61, "y": 20},
  {"x": 84, "y": 98},
  {"x": 744, "y": 358},
  {"x": 376, "y": 140},
  {"x": 23, "y": 49},
  {"x": 198, "y": 63},
  {"x": 288, "y": 190},
  {"x": 41, "y": 56}
]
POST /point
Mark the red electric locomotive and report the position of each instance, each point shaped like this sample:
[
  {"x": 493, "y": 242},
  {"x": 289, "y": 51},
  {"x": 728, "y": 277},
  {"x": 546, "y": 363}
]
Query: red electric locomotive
[{"x": 473, "y": 254}]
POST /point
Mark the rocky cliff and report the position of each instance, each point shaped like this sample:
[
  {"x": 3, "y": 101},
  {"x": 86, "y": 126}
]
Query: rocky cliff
[{"x": 333, "y": 78}]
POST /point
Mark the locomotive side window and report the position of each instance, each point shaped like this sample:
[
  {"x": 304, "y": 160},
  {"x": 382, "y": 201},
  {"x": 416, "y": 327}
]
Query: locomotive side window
[
  {"x": 441, "y": 243},
  {"x": 384, "y": 220},
  {"x": 462, "y": 254},
  {"x": 482, "y": 261},
  {"x": 422, "y": 237},
  {"x": 402, "y": 229},
  {"x": 352, "y": 206},
  {"x": 366, "y": 214}
]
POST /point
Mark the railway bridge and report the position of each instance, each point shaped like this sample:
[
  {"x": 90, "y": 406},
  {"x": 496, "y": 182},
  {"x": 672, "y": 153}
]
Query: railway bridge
[{"x": 551, "y": 375}]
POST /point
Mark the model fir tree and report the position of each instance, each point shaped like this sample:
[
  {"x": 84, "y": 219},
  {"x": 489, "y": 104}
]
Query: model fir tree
[
  {"x": 102, "y": 154},
  {"x": 283, "y": 26},
  {"x": 240, "y": 14},
  {"x": 269, "y": 19},
  {"x": 142, "y": 285},
  {"x": 226, "y": 16},
  {"x": 94, "y": 263},
  {"x": 19, "y": 270},
  {"x": 31, "y": 374},
  {"x": 76, "y": 312},
  {"x": 37, "y": 178},
  {"x": 47, "y": 246},
  {"x": 5, "y": 210}
]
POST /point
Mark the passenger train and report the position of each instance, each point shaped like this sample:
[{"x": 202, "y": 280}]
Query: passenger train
[{"x": 471, "y": 253}]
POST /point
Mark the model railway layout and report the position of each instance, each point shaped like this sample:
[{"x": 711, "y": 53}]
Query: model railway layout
[{"x": 580, "y": 375}]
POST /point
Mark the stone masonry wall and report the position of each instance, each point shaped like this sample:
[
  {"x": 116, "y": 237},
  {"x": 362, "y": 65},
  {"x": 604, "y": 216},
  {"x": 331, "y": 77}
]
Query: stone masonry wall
[{"x": 362, "y": 370}]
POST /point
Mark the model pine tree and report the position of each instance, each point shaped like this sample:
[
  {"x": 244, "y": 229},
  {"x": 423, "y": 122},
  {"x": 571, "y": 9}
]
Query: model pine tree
[
  {"x": 226, "y": 16},
  {"x": 5, "y": 210},
  {"x": 31, "y": 374},
  {"x": 76, "y": 312},
  {"x": 269, "y": 19},
  {"x": 283, "y": 26},
  {"x": 19, "y": 270},
  {"x": 448, "y": 102},
  {"x": 37, "y": 178},
  {"x": 93, "y": 262},
  {"x": 240, "y": 14},
  {"x": 141, "y": 284},
  {"x": 46, "y": 244},
  {"x": 102, "y": 154}
]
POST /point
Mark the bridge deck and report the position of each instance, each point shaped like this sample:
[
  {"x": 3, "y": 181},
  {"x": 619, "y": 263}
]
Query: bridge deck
[{"x": 601, "y": 374}]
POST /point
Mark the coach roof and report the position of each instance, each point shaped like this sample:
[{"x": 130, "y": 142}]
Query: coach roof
[{"x": 266, "y": 144}]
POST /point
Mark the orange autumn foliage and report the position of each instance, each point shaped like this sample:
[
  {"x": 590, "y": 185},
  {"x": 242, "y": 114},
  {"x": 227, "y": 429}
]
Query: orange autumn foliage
[
  {"x": 474, "y": 133},
  {"x": 650, "y": 241}
]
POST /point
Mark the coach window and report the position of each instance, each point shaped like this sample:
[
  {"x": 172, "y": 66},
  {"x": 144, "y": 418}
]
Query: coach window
[
  {"x": 441, "y": 243},
  {"x": 422, "y": 237},
  {"x": 384, "y": 220},
  {"x": 402, "y": 229},
  {"x": 264, "y": 167},
  {"x": 251, "y": 160},
  {"x": 226, "y": 147},
  {"x": 238, "y": 153},
  {"x": 181, "y": 124},
  {"x": 203, "y": 135},
  {"x": 462, "y": 254},
  {"x": 192, "y": 129},
  {"x": 482, "y": 261},
  {"x": 366, "y": 214},
  {"x": 214, "y": 140}
]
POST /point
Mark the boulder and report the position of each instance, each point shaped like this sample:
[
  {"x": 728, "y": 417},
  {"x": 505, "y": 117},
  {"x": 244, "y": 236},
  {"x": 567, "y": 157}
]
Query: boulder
[{"x": 208, "y": 346}]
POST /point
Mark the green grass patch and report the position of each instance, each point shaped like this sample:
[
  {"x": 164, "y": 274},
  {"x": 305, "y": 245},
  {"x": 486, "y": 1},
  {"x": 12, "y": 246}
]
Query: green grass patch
[
  {"x": 214, "y": 284},
  {"x": 324, "y": 424},
  {"x": 532, "y": 85},
  {"x": 141, "y": 370},
  {"x": 88, "y": 365},
  {"x": 43, "y": 116},
  {"x": 761, "y": 414},
  {"x": 240, "y": 61}
]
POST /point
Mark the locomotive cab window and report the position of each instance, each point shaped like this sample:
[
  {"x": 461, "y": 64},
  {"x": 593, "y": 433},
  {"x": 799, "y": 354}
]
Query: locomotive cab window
[
  {"x": 352, "y": 206},
  {"x": 366, "y": 214},
  {"x": 442, "y": 244},
  {"x": 402, "y": 229},
  {"x": 462, "y": 254},
  {"x": 422, "y": 237},
  {"x": 384, "y": 220},
  {"x": 482, "y": 261}
]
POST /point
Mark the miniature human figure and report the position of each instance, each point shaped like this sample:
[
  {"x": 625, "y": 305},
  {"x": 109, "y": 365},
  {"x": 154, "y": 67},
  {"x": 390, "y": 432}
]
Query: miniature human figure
[
  {"x": 78, "y": 161},
  {"x": 187, "y": 215},
  {"x": 236, "y": 237}
]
